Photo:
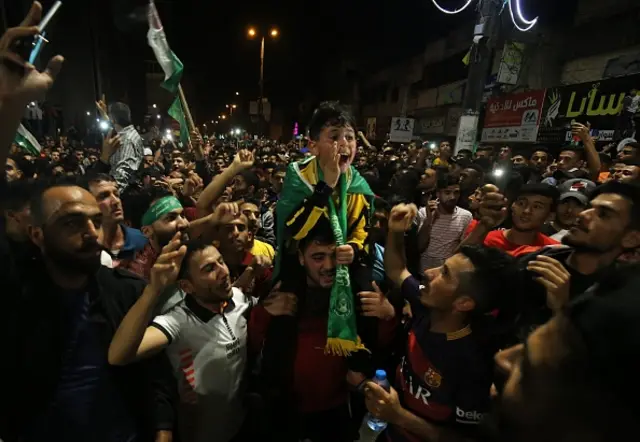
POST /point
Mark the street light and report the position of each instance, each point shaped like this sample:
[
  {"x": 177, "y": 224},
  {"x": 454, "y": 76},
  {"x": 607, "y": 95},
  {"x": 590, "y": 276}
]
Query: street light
[
  {"x": 223, "y": 116},
  {"x": 237, "y": 94},
  {"x": 274, "y": 33},
  {"x": 155, "y": 106},
  {"x": 88, "y": 113}
]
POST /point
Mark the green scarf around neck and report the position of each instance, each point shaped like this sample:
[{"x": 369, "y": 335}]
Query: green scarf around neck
[{"x": 342, "y": 334}]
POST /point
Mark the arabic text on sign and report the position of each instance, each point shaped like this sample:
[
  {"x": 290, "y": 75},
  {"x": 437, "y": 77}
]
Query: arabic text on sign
[{"x": 611, "y": 107}]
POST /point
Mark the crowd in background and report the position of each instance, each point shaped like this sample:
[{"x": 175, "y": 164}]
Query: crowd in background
[{"x": 209, "y": 291}]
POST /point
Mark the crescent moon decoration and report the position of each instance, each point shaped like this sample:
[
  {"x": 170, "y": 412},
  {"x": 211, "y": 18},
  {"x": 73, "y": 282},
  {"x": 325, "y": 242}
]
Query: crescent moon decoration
[
  {"x": 528, "y": 24},
  {"x": 513, "y": 11},
  {"x": 449, "y": 11}
]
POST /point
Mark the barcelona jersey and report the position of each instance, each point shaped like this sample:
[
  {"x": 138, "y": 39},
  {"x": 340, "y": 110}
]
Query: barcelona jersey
[{"x": 444, "y": 378}]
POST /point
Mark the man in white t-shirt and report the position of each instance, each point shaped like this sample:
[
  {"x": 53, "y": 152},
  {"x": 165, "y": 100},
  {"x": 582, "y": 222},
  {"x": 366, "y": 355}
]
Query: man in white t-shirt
[{"x": 205, "y": 336}]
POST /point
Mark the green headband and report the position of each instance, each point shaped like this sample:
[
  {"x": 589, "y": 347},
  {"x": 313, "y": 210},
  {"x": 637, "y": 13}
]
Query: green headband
[{"x": 160, "y": 208}]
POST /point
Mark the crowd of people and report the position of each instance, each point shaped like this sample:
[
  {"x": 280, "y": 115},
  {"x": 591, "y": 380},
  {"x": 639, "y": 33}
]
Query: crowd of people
[{"x": 201, "y": 292}]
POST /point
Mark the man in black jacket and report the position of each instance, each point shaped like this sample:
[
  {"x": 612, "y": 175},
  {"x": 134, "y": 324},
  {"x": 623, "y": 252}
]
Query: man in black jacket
[{"x": 58, "y": 318}]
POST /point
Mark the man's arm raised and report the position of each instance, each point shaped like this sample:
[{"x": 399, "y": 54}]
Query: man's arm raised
[
  {"x": 134, "y": 339},
  {"x": 400, "y": 220}
]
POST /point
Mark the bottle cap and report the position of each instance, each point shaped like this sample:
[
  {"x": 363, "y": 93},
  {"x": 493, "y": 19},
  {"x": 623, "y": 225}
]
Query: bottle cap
[{"x": 381, "y": 374}]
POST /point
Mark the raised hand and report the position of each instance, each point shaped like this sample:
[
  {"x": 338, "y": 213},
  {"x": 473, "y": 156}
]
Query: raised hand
[
  {"x": 401, "y": 217},
  {"x": 192, "y": 185},
  {"x": 376, "y": 305},
  {"x": 554, "y": 277},
  {"x": 243, "y": 160},
  {"x": 225, "y": 213},
  {"x": 260, "y": 263},
  {"x": 20, "y": 80},
  {"x": 166, "y": 268},
  {"x": 110, "y": 146},
  {"x": 581, "y": 131},
  {"x": 330, "y": 166},
  {"x": 492, "y": 209},
  {"x": 102, "y": 107}
]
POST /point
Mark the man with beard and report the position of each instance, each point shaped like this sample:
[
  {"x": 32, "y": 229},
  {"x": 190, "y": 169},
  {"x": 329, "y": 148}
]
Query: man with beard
[
  {"x": 609, "y": 227},
  {"x": 120, "y": 241},
  {"x": 73, "y": 305},
  {"x": 159, "y": 215},
  {"x": 572, "y": 380},
  {"x": 443, "y": 226},
  {"x": 261, "y": 226},
  {"x": 471, "y": 178},
  {"x": 539, "y": 161},
  {"x": 447, "y": 370},
  {"x": 205, "y": 336},
  {"x": 530, "y": 210}
]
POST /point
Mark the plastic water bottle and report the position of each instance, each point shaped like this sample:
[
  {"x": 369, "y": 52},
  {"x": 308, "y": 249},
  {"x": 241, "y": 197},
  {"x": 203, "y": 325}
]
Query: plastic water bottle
[{"x": 378, "y": 425}]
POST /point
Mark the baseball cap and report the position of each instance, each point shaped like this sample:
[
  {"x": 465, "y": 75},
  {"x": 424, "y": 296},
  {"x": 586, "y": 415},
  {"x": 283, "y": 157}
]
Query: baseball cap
[
  {"x": 578, "y": 188},
  {"x": 147, "y": 152}
]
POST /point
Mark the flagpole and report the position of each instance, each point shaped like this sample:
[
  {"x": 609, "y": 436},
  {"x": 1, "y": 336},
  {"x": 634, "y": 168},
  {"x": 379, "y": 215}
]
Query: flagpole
[{"x": 187, "y": 112}]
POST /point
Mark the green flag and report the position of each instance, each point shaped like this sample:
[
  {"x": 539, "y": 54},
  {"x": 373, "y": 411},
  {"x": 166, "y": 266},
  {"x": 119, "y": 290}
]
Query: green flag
[
  {"x": 177, "y": 113},
  {"x": 342, "y": 335},
  {"x": 171, "y": 65},
  {"x": 169, "y": 62},
  {"x": 27, "y": 141}
]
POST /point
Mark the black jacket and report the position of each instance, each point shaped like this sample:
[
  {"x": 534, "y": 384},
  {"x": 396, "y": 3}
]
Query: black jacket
[{"x": 32, "y": 340}]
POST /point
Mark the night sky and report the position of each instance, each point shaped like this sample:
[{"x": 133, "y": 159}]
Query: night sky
[
  {"x": 210, "y": 37},
  {"x": 315, "y": 37}
]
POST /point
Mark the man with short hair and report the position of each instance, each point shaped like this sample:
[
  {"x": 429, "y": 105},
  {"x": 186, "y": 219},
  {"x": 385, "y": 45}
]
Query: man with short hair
[
  {"x": 127, "y": 159},
  {"x": 14, "y": 168},
  {"x": 261, "y": 226},
  {"x": 205, "y": 336},
  {"x": 306, "y": 385},
  {"x": 630, "y": 151},
  {"x": 121, "y": 242},
  {"x": 607, "y": 228},
  {"x": 630, "y": 173},
  {"x": 444, "y": 379},
  {"x": 471, "y": 178},
  {"x": 443, "y": 226},
  {"x": 74, "y": 304},
  {"x": 571, "y": 380},
  {"x": 444, "y": 155},
  {"x": 529, "y": 212},
  {"x": 540, "y": 160}
]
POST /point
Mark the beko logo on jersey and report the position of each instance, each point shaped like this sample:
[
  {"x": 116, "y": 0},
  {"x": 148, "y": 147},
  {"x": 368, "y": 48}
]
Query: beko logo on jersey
[{"x": 468, "y": 417}]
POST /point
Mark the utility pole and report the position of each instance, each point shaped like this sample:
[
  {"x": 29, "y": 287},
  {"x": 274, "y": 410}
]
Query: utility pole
[
  {"x": 261, "y": 100},
  {"x": 484, "y": 37}
]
